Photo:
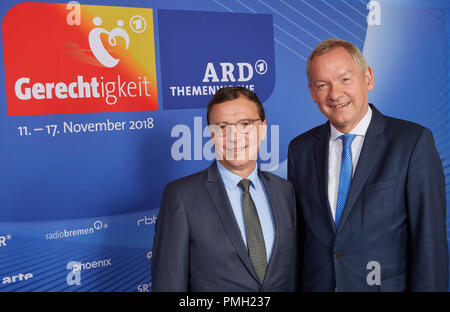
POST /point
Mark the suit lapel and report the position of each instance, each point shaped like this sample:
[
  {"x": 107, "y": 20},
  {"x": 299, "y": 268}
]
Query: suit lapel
[
  {"x": 218, "y": 194},
  {"x": 369, "y": 152},
  {"x": 321, "y": 151}
]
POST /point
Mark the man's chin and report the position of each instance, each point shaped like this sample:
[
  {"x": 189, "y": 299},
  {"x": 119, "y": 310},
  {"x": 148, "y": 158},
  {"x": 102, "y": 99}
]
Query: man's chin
[
  {"x": 237, "y": 155},
  {"x": 338, "y": 120},
  {"x": 237, "y": 164}
]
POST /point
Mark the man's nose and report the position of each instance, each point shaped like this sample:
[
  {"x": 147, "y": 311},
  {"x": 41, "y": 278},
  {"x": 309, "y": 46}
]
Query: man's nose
[
  {"x": 232, "y": 132},
  {"x": 233, "y": 135},
  {"x": 336, "y": 92}
]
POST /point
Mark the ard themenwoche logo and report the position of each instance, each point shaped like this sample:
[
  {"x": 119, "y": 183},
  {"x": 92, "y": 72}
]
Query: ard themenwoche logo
[
  {"x": 102, "y": 61},
  {"x": 218, "y": 49}
]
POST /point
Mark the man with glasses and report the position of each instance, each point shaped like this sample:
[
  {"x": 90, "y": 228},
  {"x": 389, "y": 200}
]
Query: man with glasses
[{"x": 229, "y": 227}]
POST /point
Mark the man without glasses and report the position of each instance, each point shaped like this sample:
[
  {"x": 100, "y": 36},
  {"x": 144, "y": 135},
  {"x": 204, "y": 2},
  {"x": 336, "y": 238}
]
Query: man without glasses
[{"x": 370, "y": 188}]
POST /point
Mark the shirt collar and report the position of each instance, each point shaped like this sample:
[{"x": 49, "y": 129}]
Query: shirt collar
[
  {"x": 360, "y": 129},
  {"x": 231, "y": 180}
]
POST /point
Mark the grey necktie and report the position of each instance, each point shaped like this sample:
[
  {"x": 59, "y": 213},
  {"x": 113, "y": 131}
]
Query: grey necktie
[{"x": 255, "y": 238}]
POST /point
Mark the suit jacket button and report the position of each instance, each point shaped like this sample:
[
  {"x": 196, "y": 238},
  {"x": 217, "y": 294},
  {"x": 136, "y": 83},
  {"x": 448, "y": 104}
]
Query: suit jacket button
[{"x": 337, "y": 254}]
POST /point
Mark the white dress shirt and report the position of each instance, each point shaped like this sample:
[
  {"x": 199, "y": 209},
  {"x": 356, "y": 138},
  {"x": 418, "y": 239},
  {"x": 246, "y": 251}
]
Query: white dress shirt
[{"x": 335, "y": 156}]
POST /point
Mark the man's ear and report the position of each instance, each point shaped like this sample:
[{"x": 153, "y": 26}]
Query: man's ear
[
  {"x": 211, "y": 131},
  {"x": 369, "y": 78},
  {"x": 263, "y": 130},
  {"x": 313, "y": 95}
]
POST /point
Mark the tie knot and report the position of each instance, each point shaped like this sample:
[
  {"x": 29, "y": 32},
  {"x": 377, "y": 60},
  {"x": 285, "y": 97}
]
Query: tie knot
[
  {"x": 347, "y": 140},
  {"x": 244, "y": 184}
]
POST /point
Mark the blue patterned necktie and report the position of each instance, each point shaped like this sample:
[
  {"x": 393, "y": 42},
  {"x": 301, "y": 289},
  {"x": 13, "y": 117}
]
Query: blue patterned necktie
[{"x": 345, "y": 175}]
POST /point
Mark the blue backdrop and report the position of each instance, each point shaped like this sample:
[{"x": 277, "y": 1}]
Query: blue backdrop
[{"x": 77, "y": 210}]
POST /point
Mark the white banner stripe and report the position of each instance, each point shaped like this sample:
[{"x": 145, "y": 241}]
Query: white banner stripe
[
  {"x": 298, "y": 12},
  {"x": 354, "y": 9},
  {"x": 249, "y": 8},
  {"x": 350, "y": 33},
  {"x": 292, "y": 36},
  {"x": 282, "y": 44},
  {"x": 280, "y": 28},
  {"x": 223, "y": 6},
  {"x": 351, "y": 20},
  {"x": 289, "y": 20}
]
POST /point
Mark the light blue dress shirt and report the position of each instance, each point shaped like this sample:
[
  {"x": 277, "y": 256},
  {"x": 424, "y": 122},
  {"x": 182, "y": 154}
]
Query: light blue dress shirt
[{"x": 259, "y": 196}]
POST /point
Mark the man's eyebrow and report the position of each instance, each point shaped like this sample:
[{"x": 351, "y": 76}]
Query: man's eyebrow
[
  {"x": 349, "y": 71},
  {"x": 223, "y": 122},
  {"x": 346, "y": 72}
]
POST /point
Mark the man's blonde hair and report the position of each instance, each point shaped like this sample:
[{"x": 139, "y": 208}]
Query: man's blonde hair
[{"x": 333, "y": 43}]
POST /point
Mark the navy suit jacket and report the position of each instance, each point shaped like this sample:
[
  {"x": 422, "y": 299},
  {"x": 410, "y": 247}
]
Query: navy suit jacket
[
  {"x": 198, "y": 245},
  {"x": 394, "y": 214}
]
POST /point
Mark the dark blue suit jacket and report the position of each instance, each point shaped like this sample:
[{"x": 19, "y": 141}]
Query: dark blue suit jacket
[
  {"x": 394, "y": 214},
  {"x": 198, "y": 245}
]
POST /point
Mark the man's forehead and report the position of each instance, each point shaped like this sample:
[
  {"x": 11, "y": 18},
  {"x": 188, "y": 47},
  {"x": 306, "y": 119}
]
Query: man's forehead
[
  {"x": 332, "y": 64},
  {"x": 235, "y": 110},
  {"x": 234, "y": 118},
  {"x": 341, "y": 72}
]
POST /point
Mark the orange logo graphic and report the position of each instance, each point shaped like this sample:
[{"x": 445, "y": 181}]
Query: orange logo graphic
[{"x": 103, "y": 62}]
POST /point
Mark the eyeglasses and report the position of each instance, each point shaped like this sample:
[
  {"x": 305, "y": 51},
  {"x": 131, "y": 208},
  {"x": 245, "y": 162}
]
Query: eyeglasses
[{"x": 243, "y": 126}]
